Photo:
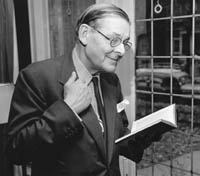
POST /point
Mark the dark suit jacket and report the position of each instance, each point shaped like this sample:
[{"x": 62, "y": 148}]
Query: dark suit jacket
[{"x": 43, "y": 130}]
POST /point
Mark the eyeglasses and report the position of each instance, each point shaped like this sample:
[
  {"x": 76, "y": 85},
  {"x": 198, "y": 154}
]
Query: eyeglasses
[{"x": 115, "y": 41}]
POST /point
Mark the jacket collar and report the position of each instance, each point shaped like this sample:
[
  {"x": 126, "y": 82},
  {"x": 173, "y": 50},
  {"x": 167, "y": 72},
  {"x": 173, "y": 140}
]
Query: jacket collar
[{"x": 67, "y": 68}]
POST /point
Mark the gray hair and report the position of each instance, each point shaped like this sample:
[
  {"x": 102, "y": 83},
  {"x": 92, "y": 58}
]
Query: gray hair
[{"x": 98, "y": 11}]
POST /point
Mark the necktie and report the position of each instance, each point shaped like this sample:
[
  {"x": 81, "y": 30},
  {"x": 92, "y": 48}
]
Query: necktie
[{"x": 99, "y": 102}]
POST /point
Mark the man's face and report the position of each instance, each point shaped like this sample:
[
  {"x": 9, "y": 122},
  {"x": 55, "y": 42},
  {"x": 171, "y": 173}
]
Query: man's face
[{"x": 101, "y": 56}]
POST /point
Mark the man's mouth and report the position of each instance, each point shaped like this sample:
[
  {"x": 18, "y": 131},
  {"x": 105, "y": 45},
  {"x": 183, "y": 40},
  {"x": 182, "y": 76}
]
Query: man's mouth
[{"x": 116, "y": 59}]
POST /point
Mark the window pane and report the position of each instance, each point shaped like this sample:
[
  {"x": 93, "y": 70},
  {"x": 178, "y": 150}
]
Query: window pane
[
  {"x": 182, "y": 36},
  {"x": 143, "y": 33},
  {"x": 62, "y": 17},
  {"x": 161, "y": 38},
  {"x": 197, "y": 6},
  {"x": 143, "y": 9},
  {"x": 181, "y": 81},
  {"x": 161, "y": 63},
  {"x": 197, "y": 37},
  {"x": 161, "y": 75},
  {"x": 182, "y": 7},
  {"x": 143, "y": 106},
  {"x": 197, "y": 79},
  {"x": 6, "y": 42},
  {"x": 161, "y": 8},
  {"x": 143, "y": 62},
  {"x": 182, "y": 63},
  {"x": 143, "y": 79}
]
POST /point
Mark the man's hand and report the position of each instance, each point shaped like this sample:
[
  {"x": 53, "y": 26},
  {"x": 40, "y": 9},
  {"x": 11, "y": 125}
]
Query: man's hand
[{"x": 77, "y": 94}]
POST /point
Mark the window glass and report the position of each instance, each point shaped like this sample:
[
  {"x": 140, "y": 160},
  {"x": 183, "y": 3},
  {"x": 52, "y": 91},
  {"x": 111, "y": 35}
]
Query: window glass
[
  {"x": 161, "y": 38},
  {"x": 161, "y": 8},
  {"x": 143, "y": 33},
  {"x": 182, "y": 7},
  {"x": 167, "y": 72},
  {"x": 182, "y": 32},
  {"x": 6, "y": 43},
  {"x": 140, "y": 11},
  {"x": 62, "y": 17},
  {"x": 197, "y": 37},
  {"x": 197, "y": 6}
]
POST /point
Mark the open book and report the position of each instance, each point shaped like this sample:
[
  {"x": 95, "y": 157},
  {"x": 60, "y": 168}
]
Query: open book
[{"x": 153, "y": 125}]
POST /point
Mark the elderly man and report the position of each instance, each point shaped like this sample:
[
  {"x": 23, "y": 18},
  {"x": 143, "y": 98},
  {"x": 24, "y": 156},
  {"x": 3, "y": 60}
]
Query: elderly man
[{"x": 63, "y": 117}]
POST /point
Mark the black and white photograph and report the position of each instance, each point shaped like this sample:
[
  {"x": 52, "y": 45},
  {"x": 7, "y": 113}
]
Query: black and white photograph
[{"x": 99, "y": 87}]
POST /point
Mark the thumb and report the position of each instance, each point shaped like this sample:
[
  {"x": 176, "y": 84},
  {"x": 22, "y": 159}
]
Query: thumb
[{"x": 72, "y": 78}]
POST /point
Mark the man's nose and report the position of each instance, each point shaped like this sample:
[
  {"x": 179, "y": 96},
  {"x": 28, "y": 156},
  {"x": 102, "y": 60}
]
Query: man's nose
[{"x": 120, "y": 49}]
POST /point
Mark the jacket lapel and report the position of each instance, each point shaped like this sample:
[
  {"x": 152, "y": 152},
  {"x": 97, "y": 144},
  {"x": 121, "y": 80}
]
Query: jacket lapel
[
  {"x": 89, "y": 117},
  {"x": 91, "y": 122},
  {"x": 110, "y": 111},
  {"x": 67, "y": 67}
]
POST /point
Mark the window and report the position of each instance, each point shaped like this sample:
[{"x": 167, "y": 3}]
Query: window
[
  {"x": 168, "y": 71},
  {"x": 6, "y": 42},
  {"x": 62, "y": 17}
]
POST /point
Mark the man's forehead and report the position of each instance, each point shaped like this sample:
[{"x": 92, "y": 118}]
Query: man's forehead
[{"x": 114, "y": 25}]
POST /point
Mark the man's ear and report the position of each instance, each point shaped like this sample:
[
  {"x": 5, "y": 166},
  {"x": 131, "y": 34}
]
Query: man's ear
[{"x": 83, "y": 33}]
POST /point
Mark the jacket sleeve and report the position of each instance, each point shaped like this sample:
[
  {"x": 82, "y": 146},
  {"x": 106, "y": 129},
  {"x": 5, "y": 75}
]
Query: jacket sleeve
[{"x": 35, "y": 128}]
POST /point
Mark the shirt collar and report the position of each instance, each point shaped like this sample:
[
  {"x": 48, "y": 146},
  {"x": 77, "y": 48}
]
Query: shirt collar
[{"x": 81, "y": 70}]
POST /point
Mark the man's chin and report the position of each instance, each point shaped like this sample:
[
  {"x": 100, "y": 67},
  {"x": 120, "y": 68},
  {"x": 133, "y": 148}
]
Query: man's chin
[{"x": 110, "y": 69}]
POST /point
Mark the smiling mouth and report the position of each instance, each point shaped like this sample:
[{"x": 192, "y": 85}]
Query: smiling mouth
[{"x": 115, "y": 59}]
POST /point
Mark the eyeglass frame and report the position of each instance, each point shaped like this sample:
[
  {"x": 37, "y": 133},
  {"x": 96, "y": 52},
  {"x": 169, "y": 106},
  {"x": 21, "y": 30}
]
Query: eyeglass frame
[{"x": 127, "y": 45}]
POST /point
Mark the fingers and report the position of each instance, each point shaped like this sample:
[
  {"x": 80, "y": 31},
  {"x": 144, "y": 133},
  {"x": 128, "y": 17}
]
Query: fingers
[
  {"x": 77, "y": 93},
  {"x": 71, "y": 79}
]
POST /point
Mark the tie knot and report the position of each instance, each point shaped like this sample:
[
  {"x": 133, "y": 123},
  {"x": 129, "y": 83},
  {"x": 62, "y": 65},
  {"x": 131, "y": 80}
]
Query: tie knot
[{"x": 95, "y": 80}]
